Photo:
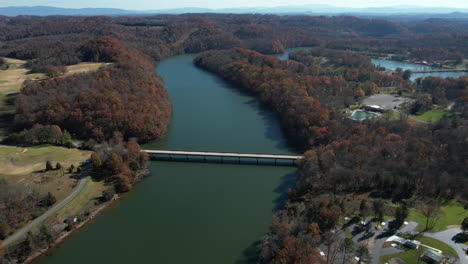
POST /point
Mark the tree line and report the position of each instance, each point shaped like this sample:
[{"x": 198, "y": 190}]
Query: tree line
[{"x": 380, "y": 158}]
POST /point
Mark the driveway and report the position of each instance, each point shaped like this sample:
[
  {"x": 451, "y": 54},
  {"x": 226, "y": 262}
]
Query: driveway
[
  {"x": 446, "y": 236},
  {"x": 25, "y": 229}
]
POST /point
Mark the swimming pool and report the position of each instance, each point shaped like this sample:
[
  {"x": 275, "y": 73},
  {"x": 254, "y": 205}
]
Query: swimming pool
[{"x": 360, "y": 115}]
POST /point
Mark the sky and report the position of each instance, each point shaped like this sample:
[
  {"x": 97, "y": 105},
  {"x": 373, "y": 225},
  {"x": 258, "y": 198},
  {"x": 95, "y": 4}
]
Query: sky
[{"x": 215, "y": 4}]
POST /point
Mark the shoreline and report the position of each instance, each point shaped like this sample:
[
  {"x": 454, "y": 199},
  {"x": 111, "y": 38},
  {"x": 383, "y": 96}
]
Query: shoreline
[{"x": 41, "y": 252}]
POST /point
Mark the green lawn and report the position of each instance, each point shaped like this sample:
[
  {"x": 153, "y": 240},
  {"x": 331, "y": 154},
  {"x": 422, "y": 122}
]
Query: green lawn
[
  {"x": 39, "y": 154},
  {"x": 446, "y": 249},
  {"x": 411, "y": 256},
  {"x": 453, "y": 215},
  {"x": 432, "y": 116},
  {"x": 83, "y": 201}
]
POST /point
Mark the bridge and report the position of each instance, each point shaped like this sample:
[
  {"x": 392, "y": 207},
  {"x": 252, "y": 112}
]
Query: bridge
[
  {"x": 224, "y": 157},
  {"x": 441, "y": 70}
]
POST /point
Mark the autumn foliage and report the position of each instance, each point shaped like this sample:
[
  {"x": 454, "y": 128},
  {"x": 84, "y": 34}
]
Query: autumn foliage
[{"x": 127, "y": 97}]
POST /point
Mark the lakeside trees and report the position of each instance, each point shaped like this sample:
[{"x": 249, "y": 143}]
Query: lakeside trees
[
  {"x": 388, "y": 159},
  {"x": 391, "y": 160}
]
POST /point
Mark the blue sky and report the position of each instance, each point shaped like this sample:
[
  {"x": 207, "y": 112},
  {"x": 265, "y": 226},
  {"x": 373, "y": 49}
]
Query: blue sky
[{"x": 163, "y": 4}]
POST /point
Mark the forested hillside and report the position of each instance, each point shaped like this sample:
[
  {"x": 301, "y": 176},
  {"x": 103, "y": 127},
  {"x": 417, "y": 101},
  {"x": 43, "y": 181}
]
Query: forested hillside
[
  {"x": 386, "y": 159},
  {"x": 125, "y": 102},
  {"x": 127, "y": 97}
]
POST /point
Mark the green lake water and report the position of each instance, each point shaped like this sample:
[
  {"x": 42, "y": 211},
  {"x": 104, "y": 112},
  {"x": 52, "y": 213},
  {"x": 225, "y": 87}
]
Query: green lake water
[{"x": 194, "y": 212}]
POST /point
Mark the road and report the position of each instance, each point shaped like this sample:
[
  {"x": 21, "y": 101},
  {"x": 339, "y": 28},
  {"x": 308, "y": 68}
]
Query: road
[
  {"x": 24, "y": 230},
  {"x": 446, "y": 236}
]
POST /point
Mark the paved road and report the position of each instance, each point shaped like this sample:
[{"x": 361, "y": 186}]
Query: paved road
[
  {"x": 446, "y": 236},
  {"x": 24, "y": 230}
]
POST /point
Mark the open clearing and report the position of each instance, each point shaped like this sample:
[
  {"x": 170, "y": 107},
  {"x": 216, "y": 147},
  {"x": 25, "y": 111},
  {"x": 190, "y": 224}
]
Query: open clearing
[
  {"x": 432, "y": 116},
  {"x": 17, "y": 160},
  {"x": 453, "y": 214},
  {"x": 86, "y": 199},
  {"x": 26, "y": 166},
  {"x": 13, "y": 78}
]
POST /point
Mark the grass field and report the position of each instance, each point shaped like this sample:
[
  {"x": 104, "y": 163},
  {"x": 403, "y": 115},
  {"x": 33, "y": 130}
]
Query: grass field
[
  {"x": 13, "y": 78},
  {"x": 453, "y": 214},
  {"x": 409, "y": 257},
  {"x": 432, "y": 116},
  {"x": 17, "y": 160},
  {"x": 25, "y": 166},
  {"x": 446, "y": 249},
  {"x": 86, "y": 199}
]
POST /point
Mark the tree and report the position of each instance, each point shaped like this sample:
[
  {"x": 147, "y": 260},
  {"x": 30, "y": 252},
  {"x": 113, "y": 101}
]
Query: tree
[
  {"x": 348, "y": 248},
  {"x": 58, "y": 166},
  {"x": 378, "y": 208},
  {"x": 71, "y": 168},
  {"x": 122, "y": 184},
  {"x": 363, "y": 254},
  {"x": 49, "y": 166},
  {"x": 44, "y": 238},
  {"x": 96, "y": 160},
  {"x": 294, "y": 250},
  {"x": 431, "y": 210},
  {"x": 363, "y": 209},
  {"x": 334, "y": 245},
  {"x": 464, "y": 225},
  {"x": 67, "y": 139},
  {"x": 401, "y": 213},
  {"x": 3, "y": 230},
  {"x": 406, "y": 74},
  {"x": 50, "y": 199},
  {"x": 108, "y": 194}
]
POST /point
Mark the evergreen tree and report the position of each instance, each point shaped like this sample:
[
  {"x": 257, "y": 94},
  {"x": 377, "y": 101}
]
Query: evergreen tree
[
  {"x": 49, "y": 166},
  {"x": 50, "y": 199}
]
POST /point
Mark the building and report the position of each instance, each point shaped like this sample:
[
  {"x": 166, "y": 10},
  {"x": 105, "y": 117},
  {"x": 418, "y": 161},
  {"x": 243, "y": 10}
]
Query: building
[
  {"x": 373, "y": 108},
  {"x": 413, "y": 244},
  {"x": 433, "y": 257}
]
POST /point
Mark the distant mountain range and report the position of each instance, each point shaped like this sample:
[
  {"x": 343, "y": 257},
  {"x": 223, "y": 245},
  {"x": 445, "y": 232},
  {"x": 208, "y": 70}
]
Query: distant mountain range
[{"x": 307, "y": 9}]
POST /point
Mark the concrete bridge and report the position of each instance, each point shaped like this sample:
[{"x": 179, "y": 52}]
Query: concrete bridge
[
  {"x": 224, "y": 157},
  {"x": 441, "y": 70}
]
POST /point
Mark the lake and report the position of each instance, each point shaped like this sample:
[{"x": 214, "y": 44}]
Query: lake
[{"x": 194, "y": 212}]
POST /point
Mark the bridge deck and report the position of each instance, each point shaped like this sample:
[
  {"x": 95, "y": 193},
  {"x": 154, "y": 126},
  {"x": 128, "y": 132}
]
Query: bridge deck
[{"x": 223, "y": 154}]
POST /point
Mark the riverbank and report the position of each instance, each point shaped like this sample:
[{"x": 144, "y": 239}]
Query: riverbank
[
  {"x": 65, "y": 234},
  {"x": 178, "y": 199}
]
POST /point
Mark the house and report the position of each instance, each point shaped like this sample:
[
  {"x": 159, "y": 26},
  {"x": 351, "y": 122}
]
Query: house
[
  {"x": 373, "y": 108},
  {"x": 413, "y": 244},
  {"x": 433, "y": 257}
]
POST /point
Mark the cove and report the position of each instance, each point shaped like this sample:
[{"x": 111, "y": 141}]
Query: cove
[
  {"x": 194, "y": 212},
  {"x": 393, "y": 65}
]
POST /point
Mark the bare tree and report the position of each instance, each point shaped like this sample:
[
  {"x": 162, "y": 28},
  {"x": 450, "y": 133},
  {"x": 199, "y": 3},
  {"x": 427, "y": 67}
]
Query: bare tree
[
  {"x": 431, "y": 210},
  {"x": 334, "y": 245}
]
